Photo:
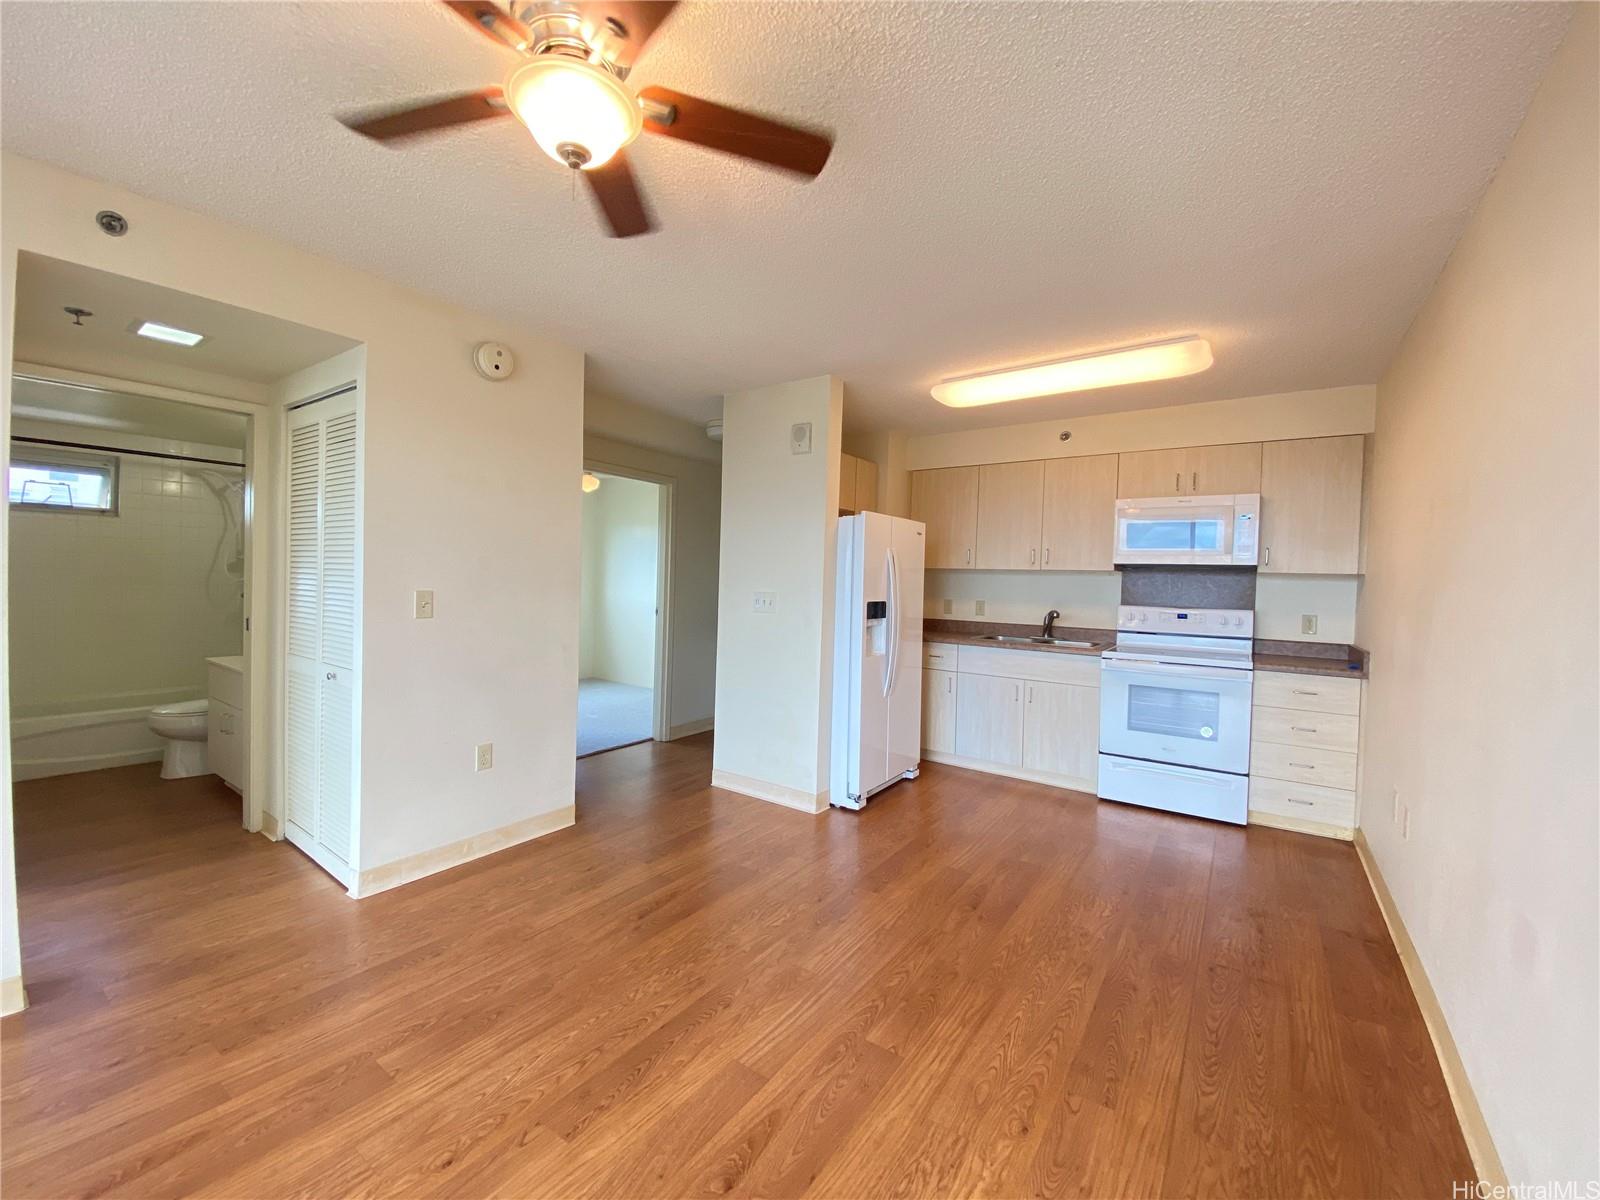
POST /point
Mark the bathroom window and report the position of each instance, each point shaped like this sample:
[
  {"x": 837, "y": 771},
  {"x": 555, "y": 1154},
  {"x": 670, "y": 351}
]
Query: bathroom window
[{"x": 47, "y": 481}]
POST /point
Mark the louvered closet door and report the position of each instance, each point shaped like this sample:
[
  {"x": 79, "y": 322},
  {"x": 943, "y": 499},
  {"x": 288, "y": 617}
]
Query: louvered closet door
[{"x": 323, "y": 632}]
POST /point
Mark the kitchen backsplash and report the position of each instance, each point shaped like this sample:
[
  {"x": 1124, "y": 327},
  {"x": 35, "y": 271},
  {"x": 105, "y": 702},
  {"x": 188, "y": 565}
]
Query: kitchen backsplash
[
  {"x": 1189, "y": 587},
  {"x": 1090, "y": 599}
]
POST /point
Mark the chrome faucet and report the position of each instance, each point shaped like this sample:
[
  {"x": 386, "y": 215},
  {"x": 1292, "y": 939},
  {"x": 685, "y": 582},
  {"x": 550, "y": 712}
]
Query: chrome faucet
[{"x": 1050, "y": 619}]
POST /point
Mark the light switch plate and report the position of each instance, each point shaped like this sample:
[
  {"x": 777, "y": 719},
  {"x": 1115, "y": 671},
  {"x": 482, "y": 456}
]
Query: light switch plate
[
  {"x": 949, "y": 606},
  {"x": 765, "y": 602},
  {"x": 484, "y": 757},
  {"x": 424, "y": 605},
  {"x": 1308, "y": 622},
  {"x": 800, "y": 438},
  {"x": 978, "y": 607}
]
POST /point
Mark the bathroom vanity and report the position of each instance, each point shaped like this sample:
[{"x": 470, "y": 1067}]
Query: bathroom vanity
[{"x": 225, "y": 729}]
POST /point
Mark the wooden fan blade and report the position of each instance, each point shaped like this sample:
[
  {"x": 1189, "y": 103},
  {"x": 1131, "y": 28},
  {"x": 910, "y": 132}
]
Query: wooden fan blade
[
  {"x": 733, "y": 131},
  {"x": 492, "y": 21},
  {"x": 396, "y": 124},
  {"x": 621, "y": 28},
  {"x": 619, "y": 199}
]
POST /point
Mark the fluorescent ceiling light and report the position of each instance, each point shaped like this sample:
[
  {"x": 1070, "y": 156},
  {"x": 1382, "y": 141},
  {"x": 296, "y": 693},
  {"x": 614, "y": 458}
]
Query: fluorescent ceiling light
[
  {"x": 166, "y": 333},
  {"x": 1132, "y": 364}
]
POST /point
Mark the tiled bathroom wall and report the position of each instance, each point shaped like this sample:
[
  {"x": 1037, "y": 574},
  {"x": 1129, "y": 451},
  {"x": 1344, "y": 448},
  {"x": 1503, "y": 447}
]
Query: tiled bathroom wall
[{"x": 114, "y": 611}]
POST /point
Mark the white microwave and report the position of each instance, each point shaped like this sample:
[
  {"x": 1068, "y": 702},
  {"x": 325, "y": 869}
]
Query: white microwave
[{"x": 1218, "y": 531}]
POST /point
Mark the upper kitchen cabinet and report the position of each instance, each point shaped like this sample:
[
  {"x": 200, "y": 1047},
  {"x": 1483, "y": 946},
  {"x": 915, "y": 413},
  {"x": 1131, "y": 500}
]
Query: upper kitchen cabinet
[
  {"x": 1222, "y": 470},
  {"x": 866, "y": 486},
  {"x": 1151, "y": 473},
  {"x": 1010, "y": 496},
  {"x": 946, "y": 501},
  {"x": 1190, "y": 471},
  {"x": 1080, "y": 501},
  {"x": 1311, "y": 506},
  {"x": 847, "y": 483}
]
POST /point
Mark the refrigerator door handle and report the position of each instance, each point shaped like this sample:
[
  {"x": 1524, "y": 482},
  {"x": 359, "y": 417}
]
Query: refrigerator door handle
[{"x": 891, "y": 569}]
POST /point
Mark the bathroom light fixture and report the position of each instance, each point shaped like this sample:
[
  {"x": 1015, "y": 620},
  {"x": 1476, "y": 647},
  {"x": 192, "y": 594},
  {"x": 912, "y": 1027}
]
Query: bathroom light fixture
[
  {"x": 578, "y": 112},
  {"x": 166, "y": 333},
  {"x": 591, "y": 483},
  {"x": 1107, "y": 368}
]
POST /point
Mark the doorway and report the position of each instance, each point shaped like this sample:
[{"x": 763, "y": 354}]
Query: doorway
[{"x": 622, "y": 609}]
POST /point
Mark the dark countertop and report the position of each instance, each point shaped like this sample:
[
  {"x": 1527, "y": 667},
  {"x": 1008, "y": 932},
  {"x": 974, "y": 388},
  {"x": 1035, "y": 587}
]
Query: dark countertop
[{"x": 1298, "y": 658}]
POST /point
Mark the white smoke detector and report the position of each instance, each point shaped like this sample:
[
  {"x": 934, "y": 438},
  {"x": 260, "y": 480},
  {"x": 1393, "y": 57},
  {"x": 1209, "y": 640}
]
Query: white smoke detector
[
  {"x": 714, "y": 430},
  {"x": 493, "y": 360}
]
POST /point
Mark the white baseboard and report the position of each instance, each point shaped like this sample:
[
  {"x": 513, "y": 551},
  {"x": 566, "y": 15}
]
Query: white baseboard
[
  {"x": 1069, "y": 783},
  {"x": 442, "y": 858},
  {"x": 689, "y": 729},
  {"x": 1480, "y": 1144},
  {"x": 12, "y": 998},
  {"x": 270, "y": 827},
  {"x": 773, "y": 793}
]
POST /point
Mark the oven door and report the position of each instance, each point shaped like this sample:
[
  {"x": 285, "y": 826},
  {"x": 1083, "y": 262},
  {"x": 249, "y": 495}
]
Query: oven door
[
  {"x": 1174, "y": 531},
  {"x": 1172, "y": 713}
]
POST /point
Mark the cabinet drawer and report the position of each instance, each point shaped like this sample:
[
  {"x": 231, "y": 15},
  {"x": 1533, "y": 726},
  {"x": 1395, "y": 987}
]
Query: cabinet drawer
[
  {"x": 1303, "y": 764},
  {"x": 1081, "y": 669},
  {"x": 939, "y": 655},
  {"x": 1313, "y": 693},
  {"x": 1299, "y": 727},
  {"x": 1303, "y": 802}
]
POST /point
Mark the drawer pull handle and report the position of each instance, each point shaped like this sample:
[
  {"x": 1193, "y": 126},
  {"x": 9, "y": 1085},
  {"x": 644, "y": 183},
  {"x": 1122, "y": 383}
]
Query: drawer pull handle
[
  {"x": 1303, "y": 766},
  {"x": 1297, "y": 800},
  {"x": 1304, "y": 728},
  {"x": 1304, "y": 692}
]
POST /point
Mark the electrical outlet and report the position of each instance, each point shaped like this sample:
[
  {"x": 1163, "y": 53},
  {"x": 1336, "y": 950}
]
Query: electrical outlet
[
  {"x": 765, "y": 602},
  {"x": 484, "y": 758},
  {"x": 424, "y": 605},
  {"x": 978, "y": 607},
  {"x": 949, "y": 606},
  {"x": 1308, "y": 622}
]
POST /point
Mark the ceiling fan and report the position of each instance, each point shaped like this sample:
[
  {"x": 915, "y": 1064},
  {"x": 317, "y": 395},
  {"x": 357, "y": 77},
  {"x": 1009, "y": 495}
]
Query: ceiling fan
[{"x": 569, "y": 88}]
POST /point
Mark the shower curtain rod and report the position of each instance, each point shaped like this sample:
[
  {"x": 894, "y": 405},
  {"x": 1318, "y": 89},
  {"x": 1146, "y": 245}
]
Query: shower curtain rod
[{"x": 212, "y": 462}]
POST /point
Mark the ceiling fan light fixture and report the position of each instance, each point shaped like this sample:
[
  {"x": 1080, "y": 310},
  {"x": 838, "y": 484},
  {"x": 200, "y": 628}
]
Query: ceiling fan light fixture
[
  {"x": 1108, "y": 368},
  {"x": 579, "y": 113}
]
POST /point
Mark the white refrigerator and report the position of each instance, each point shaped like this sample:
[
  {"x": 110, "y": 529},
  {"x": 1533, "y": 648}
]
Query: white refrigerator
[{"x": 877, "y": 661}]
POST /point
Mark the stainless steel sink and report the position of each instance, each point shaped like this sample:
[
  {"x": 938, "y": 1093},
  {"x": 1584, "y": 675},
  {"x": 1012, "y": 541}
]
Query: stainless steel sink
[{"x": 1037, "y": 641}]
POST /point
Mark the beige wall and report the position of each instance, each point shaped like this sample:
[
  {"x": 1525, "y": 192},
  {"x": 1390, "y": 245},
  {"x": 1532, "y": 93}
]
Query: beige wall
[
  {"x": 1479, "y": 610},
  {"x": 779, "y": 533},
  {"x": 696, "y": 534},
  {"x": 1321, "y": 413},
  {"x": 434, "y": 434},
  {"x": 621, "y": 534},
  {"x": 888, "y": 450}
]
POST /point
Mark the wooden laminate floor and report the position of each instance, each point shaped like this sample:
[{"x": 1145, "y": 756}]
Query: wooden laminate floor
[{"x": 975, "y": 987}]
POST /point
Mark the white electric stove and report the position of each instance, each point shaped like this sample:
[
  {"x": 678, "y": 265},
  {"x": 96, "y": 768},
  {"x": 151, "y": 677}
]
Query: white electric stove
[{"x": 1175, "y": 711}]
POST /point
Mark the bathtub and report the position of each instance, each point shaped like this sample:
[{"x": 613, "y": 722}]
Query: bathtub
[{"x": 65, "y": 743}]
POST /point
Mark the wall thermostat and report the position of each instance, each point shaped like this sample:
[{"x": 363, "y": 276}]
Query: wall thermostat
[
  {"x": 493, "y": 360},
  {"x": 800, "y": 438}
]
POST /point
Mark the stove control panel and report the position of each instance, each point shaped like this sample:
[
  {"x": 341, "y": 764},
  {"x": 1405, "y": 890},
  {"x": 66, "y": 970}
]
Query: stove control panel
[{"x": 1203, "y": 622}]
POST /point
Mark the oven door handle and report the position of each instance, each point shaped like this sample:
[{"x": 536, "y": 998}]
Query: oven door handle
[{"x": 1140, "y": 666}]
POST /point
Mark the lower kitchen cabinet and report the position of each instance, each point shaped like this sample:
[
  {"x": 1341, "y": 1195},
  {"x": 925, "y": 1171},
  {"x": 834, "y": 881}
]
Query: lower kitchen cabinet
[
  {"x": 1304, "y": 753},
  {"x": 939, "y": 711},
  {"x": 989, "y": 719},
  {"x": 1020, "y": 713},
  {"x": 1061, "y": 729}
]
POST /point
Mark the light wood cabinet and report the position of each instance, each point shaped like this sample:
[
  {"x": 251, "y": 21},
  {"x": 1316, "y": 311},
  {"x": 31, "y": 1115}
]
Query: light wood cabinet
[
  {"x": 847, "y": 483},
  {"x": 866, "y": 486},
  {"x": 989, "y": 719},
  {"x": 1311, "y": 506},
  {"x": 1305, "y": 747},
  {"x": 1190, "y": 471},
  {"x": 1061, "y": 729},
  {"x": 1010, "y": 499},
  {"x": 939, "y": 711},
  {"x": 1222, "y": 470},
  {"x": 1151, "y": 473},
  {"x": 1080, "y": 503},
  {"x": 946, "y": 501}
]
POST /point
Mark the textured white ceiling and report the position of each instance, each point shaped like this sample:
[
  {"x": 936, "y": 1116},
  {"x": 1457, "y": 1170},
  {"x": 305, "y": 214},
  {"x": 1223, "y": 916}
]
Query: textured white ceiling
[{"x": 1011, "y": 181}]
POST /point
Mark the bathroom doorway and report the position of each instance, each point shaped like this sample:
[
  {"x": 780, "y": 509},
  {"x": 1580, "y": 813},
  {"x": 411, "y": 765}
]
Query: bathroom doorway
[{"x": 623, "y": 619}]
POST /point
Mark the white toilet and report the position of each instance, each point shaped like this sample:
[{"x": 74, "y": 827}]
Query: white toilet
[{"x": 183, "y": 725}]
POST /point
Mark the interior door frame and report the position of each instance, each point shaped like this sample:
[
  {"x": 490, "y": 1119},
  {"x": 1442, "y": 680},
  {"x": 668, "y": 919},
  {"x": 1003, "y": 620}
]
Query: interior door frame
[
  {"x": 660, "y": 699},
  {"x": 260, "y": 492}
]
